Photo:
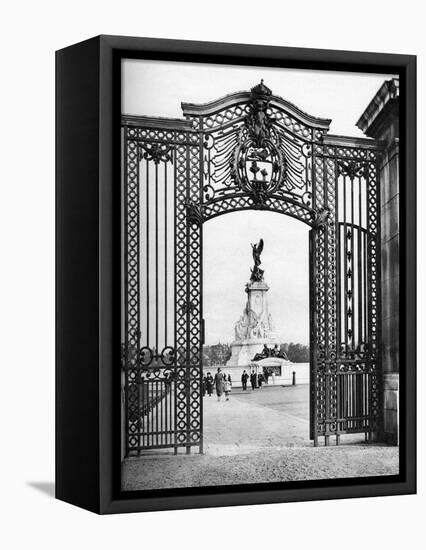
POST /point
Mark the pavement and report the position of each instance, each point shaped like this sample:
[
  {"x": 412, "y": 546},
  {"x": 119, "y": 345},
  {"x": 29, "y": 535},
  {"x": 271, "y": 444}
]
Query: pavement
[
  {"x": 268, "y": 418},
  {"x": 256, "y": 437}
]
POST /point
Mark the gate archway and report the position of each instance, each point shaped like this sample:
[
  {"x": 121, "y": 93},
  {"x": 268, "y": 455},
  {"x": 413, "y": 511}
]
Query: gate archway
[{"x": 248, "y": 150}]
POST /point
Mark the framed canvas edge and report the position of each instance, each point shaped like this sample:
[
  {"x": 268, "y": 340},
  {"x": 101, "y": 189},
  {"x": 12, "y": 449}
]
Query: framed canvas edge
[
  {"x": 76, "y": 259},
  {"x": 327, "y": 59},
  {"x": 110, "y": 497}
]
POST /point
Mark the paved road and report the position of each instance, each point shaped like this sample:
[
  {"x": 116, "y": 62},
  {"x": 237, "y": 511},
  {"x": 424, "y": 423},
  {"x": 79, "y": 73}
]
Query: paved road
[
  {"x": 255, "y": 437},
  {"x": 267, "y": 418}
]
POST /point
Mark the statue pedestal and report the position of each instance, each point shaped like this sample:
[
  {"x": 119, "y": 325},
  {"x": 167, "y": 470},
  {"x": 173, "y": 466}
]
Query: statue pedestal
[
  {"x": 253, "y": 330},
  {"x": 243, "y": 352},
  {"x": 257, "y": 302}
]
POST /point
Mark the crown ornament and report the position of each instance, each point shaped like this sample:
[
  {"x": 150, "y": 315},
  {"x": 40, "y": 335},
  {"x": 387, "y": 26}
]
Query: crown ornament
[{"x": 261, "y": 90}]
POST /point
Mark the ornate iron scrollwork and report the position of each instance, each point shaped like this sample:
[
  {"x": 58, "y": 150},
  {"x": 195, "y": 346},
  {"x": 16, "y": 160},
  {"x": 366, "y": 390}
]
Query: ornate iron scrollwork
[
  {"x": 320, "y": 218},
  {"x": 352, "y": 169},
  {"x": 187, "y": 307},
  {"x": 250, "y": 149},
  {"x": 259, "y": 167},
  {"x": 194, "y": 212},
  {"x": 157, "y": 152}
]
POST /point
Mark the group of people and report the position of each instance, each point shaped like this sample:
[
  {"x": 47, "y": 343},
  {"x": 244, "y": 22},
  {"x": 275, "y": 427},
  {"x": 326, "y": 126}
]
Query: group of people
[
  {"x": 221, "y": 382},
  {"x": 256, "y": 379}
]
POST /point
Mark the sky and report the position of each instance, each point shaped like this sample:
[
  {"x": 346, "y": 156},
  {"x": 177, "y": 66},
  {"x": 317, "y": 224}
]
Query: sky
[
  {"x": 227, "y": 263},
  {"x": 157, "y": 88}
]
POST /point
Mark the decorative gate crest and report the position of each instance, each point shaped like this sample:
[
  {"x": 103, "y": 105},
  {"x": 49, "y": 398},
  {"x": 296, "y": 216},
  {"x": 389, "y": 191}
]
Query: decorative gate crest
[
  {"x": 257, "y": 152},
  {"x": 248, "y": 150},
  {"x": 259, "y": 167}
]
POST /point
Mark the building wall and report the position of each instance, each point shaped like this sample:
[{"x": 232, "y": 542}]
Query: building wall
[
  {"x": 380, "y": 121},
  {"x": 389, "y": 182}
]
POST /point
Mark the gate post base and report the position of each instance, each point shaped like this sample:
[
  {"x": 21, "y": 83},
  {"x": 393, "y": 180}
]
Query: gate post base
[{"x": 390, "y": 434}]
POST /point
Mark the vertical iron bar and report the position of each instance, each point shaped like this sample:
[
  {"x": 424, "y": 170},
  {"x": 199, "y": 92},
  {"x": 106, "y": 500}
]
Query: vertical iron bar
[
  {"x": 201, "y": 314},
  {"x": 166, "y": 313},
  {"x": 352, "y": 301},
  {"x": 188, "y": 302},
  {"x": 312, "y": 347},
  {"x": 177, "y": 352},
  {"x": 338, "y": 265},
  {"x": 138, "y": 322},
  {"x": 379, "y": 373},
  {"x": 359, "y": 270},
  {"x": 156, "y": 404},
  {"x": 365, "y": 267},
  {"x": 166, "y": 400},
  {"x": 147, "y": 254},
  {"x": 345, "y": 242},
  {"x": 156, "y": 259}
]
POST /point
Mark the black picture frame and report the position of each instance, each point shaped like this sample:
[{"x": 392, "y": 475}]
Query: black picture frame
[{"x": 88, "y": 275}]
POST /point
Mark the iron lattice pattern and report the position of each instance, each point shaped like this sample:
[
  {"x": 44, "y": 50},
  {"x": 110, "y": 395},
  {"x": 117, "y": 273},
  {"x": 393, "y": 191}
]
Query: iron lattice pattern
[
  {"x": 346, "y": 294},
  {"x": 246, "y": 151},
  {"x": 161, "y": 350}
]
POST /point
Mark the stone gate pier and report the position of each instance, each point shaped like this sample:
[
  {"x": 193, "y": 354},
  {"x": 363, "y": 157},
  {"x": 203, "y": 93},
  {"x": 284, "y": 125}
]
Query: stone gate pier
[{"x": 380, "y": 121}]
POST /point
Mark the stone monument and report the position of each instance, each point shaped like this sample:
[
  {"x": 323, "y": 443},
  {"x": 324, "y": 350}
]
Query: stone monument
[{"x": 255, "y": 344}]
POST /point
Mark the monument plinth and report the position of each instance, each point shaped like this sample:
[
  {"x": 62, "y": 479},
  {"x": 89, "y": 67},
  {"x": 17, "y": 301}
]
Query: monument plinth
[{"x": 255, "y": 328}]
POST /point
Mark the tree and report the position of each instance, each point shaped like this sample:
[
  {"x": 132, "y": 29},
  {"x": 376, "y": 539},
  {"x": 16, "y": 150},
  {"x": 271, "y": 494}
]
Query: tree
[
  {"x": 216, "y": 354},
  {"x": 297, "y": 353}
]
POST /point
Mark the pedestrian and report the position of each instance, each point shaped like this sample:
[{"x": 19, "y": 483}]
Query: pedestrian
[
  {"x": 227, "y": 386},
  {"x": 209, "y": 384},
  {"x": 260, "y": 380},
  {"x": 266, "y": 373},
  {"x": 253, "y": 380},
  {"x": 244, "y": 378},
  {"x": 218, "y": 382}
]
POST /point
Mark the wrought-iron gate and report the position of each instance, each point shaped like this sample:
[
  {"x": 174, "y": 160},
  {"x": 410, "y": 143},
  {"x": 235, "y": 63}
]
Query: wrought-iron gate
[{"x": 248, "y": 150}]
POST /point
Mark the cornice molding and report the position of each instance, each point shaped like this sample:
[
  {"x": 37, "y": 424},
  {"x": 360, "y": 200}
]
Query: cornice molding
[
  {"x": 347, "y": 141},
  {"x": 379, "y": 107},
  {"x": 156, "y": 122}
]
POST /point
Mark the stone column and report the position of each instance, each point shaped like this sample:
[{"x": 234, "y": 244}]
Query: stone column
[{"x": 380, "y": 121}]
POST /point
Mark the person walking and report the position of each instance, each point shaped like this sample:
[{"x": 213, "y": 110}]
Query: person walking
[
  {"x": 218, "y": 382},
  {"x": 227, "y": 386},
  {"x": 209, "y": 384},
  {"x": 244, "y": 378},
  {"x": 253, "y": 380},
  {"x": 260, "y": 380}
]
